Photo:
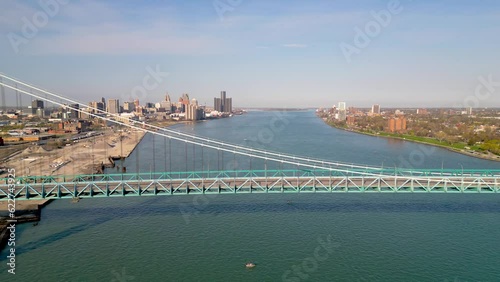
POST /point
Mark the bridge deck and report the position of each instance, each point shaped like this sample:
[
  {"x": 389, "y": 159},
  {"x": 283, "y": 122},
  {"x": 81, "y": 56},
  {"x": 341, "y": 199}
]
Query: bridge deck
[{"x": 140, "y": 185}]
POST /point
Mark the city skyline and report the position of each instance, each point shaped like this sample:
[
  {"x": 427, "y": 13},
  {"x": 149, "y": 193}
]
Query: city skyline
[{"x": 428, "y": 54}]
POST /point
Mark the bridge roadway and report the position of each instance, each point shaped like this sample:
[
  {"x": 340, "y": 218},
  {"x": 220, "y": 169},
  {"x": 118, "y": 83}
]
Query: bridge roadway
[{"x": 142, "y": 185}]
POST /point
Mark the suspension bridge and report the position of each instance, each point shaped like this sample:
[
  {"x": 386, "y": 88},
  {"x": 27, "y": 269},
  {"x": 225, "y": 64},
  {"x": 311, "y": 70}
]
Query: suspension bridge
[{"x": 249, "y": 169}]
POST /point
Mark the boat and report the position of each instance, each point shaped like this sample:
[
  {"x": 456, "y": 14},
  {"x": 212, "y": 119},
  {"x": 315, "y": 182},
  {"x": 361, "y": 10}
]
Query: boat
[{"x": 250, "y": 265}]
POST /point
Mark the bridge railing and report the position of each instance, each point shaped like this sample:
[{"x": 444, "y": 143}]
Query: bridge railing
[{"x": 248, "y": 174}]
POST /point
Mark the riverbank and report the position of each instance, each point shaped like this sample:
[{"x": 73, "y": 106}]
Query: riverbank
[
  {"x": 84, "y": 156},
  {"x": 432, "y": 142}
]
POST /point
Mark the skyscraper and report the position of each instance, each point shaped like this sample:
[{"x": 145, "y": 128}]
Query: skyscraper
[
  {"x": 73, "y": 111},
  {"x": 342, "y": 114},
  {"x": 113, "y": 106},
  {"x": 223, "y": 104},
  {"x": 35, "y": 105},
  {"x": 97, "y": 107},
  {"x": 217, "y": 104},
  {"x": 191, "y": 112},
  {"x": 128, "y": 107},
  {"x": 376, "y": 109}
]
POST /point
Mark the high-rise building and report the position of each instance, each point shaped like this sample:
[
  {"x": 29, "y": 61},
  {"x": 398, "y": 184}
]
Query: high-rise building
[
  {"x": 185, "y": 99},
  {"x": 376, "y": 109},
  {"x": 73, "y": 110},
  {"x": 113, "y": 106},
  {"x": 128, "y": 107},
  {"x": 342, "y": 112},
  {"x": 223, "y": 104},
  {"x": 35, "y": 105},
  {"x": 97, "y": 107},
  {"x": 192, "y": 112},
  {"x": 228, "y": 105},
  {"x": 397, "y": 124},
  {"x": 217, "y": 104}
]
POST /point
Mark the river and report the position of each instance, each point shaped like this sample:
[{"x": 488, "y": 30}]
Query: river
[{"x": 306, "y": 237}]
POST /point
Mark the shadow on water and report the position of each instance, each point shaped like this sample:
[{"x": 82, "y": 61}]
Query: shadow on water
[
  {"x": 159, "y": 206},
  {"x": 47, "y": 240}
]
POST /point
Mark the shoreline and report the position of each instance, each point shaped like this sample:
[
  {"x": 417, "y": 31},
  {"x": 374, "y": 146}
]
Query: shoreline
[
  {"x": 478, "y": 155},
  {"x": 26, "y": 211},
  {"x": 30, "y": 210}
]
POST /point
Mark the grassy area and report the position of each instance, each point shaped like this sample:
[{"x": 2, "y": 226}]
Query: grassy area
[{"x": 425, "y": 140}]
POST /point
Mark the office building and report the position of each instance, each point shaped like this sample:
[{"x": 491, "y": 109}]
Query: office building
[
  {"x": 128, "y": 107},
  {"x": 97, "y": 107},
  {"x": 376, "y": 109},
  {"x": 342, "y": 112},
  {"x": 113, "y": 106},
  {"x": 73, "y": 111},
  {"x": 35, "y": 105},
  {"x": 223, "y": 104}
]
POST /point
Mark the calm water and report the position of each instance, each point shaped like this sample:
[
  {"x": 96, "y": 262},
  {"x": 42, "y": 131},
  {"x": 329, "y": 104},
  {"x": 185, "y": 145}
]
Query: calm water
[{"x": 304, "y": 237}]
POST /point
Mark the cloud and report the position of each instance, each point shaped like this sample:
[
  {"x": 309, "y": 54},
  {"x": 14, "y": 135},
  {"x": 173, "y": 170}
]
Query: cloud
[{"x": 294, "y": 45}]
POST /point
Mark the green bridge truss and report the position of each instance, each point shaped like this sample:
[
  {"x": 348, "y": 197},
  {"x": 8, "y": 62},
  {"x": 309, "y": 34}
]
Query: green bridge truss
[{"x": 255, "y": 181}]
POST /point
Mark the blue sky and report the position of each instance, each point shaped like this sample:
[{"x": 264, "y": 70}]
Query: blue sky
[{"x": 263, "y": 53}]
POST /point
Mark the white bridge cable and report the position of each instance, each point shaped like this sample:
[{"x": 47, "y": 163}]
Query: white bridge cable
[
  {"x": 395, "y": 177},
  {"x": 265, "y": 157},
  {"x": 264, "y": 153},
  {"x": 261, "y": 154},
  {"x": 205, "y": 141},
  {"x": 186, "y": 140}
]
